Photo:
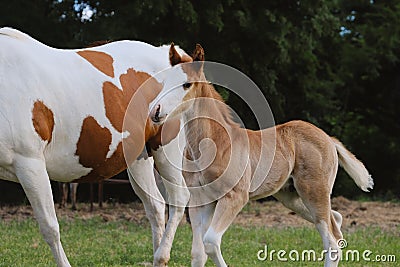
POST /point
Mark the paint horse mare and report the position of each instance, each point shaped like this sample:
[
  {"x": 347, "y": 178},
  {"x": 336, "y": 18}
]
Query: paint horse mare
[
  {"x": 299, "y": 172},
  {"x": 62, "y": 117}
]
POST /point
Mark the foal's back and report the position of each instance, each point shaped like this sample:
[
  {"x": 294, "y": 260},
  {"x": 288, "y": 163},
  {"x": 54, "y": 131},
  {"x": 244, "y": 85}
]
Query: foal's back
[{"x": 297, "y": 148}]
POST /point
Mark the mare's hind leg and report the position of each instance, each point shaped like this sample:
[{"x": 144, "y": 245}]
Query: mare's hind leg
[
  {"x": 32, "y": 175},
  {"x": 315, "y": 194},
  {"x": 73, "y": 187},
  {"x": 63, "y": 188}
]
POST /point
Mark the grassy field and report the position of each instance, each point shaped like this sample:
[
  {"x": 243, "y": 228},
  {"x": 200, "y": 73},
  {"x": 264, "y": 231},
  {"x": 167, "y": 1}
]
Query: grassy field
[{"x": 94, "y": 242}]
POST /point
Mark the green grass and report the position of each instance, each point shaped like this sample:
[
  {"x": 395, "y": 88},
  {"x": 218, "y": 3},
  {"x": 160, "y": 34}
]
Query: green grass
[{"x": 94, "y": 242}]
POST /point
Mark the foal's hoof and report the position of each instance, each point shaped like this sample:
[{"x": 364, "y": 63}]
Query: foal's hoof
[
  {"x": 160, "y": 260},
  {"x": 160, "y": 264}
]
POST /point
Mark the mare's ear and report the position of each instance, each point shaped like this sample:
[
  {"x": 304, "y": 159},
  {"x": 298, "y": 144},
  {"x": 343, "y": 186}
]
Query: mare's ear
[
  {"x": 198, "y": 58},
  {"x": 174, "y": 57}
]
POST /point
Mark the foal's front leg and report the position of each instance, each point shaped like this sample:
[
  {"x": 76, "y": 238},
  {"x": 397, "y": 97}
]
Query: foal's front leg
[
  {"x": 226, "y": 210},
  {"x": 33, "y": 177},
  {"x": 200, "y": 218}
]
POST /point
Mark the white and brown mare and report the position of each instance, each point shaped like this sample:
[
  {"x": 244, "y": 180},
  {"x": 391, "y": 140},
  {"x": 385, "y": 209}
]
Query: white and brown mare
[
  {"x": 295, "y": 162},
  {"x": 61, "y": 116}
]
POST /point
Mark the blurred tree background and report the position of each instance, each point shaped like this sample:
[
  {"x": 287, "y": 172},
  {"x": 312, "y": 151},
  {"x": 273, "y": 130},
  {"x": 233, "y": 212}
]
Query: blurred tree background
[{"x": 334, "y": 63}]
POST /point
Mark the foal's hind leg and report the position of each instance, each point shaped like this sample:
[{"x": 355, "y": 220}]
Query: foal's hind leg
[
  {"x": 292, "y": 200},
  {"x": 32, "y": 175},
  {"x": 316, "y": 197}
]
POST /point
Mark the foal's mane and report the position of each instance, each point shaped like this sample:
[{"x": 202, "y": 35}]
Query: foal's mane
[{"x": 207, "y": 90}]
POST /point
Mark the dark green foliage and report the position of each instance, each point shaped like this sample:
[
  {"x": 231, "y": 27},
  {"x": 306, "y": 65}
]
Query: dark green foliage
[{"x": 333, "y": 63}]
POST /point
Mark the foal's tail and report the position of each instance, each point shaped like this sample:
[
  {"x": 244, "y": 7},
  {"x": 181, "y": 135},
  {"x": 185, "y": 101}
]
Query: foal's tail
[{"x": 353, "y": 167}]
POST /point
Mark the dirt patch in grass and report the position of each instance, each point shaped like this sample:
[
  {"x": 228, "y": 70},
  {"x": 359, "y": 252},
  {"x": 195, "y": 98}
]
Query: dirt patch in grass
[
  {"x": 356, "y": 214},
  {"x": 133, "y": 212},
  {"x": 385, "y": 215}
]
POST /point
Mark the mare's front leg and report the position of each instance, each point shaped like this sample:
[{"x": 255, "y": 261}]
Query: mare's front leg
[
  {"x": 168, "y": 160},
  {"x": 32, "y": 175},
  {"x": 141, "y": 176}
]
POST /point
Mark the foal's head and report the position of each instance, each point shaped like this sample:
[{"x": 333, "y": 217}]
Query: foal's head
[{"x": 181, "y": 83}]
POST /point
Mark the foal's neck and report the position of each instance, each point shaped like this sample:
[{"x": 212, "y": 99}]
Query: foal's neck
[{"x": 208, "y": 117}]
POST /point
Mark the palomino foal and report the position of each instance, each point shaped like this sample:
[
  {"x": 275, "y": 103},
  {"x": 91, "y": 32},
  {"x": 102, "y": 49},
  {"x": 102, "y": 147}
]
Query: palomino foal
[
  {"x": 62, "y": 114},
  {"x": 295, "y": 162}
]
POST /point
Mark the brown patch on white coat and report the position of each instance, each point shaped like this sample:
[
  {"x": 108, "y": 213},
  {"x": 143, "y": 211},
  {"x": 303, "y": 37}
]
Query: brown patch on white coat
[
  {"x": 303, "y": 153},
  {"x": 95, "y": 140},
  {"x": 43, "y": 121},
  {"x": 100, "y": 60},
  {"x": 116, "y": 100}
]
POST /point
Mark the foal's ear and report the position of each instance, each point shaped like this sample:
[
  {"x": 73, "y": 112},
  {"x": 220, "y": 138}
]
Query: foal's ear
[
  {"x": 198, "y": 53},
  {"x": 198, "y": 59},
  {"x": 174, "y": 57}
]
